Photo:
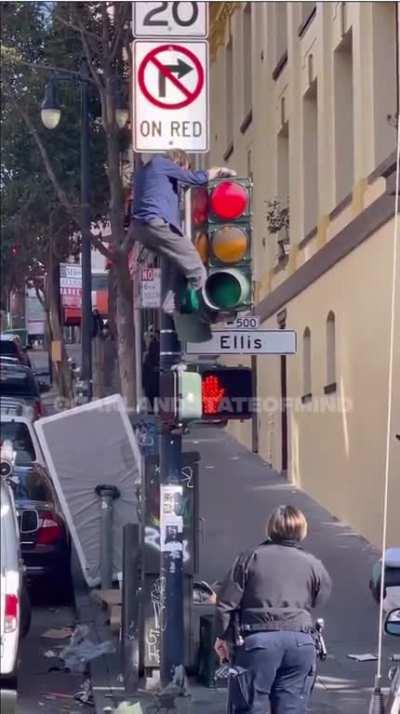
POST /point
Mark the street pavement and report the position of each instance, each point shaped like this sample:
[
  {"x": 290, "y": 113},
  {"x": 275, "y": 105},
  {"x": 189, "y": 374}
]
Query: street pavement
[
  {"x": 42, "y": 685},
  {"x": 237, "y": 492}
]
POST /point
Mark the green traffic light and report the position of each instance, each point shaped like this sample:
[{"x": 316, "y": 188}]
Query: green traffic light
[{"x": 227, "y": 289}]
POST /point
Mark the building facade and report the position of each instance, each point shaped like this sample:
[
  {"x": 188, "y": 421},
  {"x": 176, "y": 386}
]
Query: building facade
[{"x": 304, "y": 98}]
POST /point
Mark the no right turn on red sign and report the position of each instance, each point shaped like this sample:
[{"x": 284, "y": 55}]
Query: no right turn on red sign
[{"x": 170, "y": 96}]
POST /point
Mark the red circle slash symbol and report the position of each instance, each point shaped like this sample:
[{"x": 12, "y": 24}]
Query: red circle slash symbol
[{"x": 166, "y": 72}]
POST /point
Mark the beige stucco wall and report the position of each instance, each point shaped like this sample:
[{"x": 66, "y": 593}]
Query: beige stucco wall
[{"x": 338, "y": 456}]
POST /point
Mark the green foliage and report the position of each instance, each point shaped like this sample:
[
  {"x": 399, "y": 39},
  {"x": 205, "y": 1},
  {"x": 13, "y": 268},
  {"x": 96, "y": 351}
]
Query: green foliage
[{"x": 29, "y": 37}]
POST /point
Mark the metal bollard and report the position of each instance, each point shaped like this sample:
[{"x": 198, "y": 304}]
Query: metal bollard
[
  {"x": 107, "y": 495},
  {"x": 130, "y": 607}
]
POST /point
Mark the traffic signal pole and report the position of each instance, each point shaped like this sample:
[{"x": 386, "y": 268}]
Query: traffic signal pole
[{"x": 171, "y": 553}]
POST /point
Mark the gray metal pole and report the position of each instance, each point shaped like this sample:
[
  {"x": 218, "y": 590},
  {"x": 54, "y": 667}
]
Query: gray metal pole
[
  {"x": 107, "y": 495},
  {"x": 130, "y": 607},
  {"x": 171, "y": 560},
  {"x": 86, "y": 336}
]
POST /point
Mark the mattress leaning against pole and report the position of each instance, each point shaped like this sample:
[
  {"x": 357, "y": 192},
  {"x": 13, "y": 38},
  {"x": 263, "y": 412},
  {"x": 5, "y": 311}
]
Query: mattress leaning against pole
[{"x": 84, "y": 447}]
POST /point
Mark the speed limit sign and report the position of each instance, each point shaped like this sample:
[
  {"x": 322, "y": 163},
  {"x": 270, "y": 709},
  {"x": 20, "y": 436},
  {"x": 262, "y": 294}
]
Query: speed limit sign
[{"x": 170, "y": 19}]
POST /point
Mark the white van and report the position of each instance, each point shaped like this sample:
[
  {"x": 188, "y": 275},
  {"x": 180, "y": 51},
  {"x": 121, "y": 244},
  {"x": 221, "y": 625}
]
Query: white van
[{"x": 15, "y": 608}]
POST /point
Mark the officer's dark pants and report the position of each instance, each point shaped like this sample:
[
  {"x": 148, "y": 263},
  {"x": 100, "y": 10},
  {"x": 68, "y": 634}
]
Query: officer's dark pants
[{"x": 283, "y": 666}]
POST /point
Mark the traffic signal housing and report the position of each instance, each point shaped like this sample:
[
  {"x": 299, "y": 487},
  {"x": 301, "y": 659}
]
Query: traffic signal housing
[{"x": 221, "y": 232}]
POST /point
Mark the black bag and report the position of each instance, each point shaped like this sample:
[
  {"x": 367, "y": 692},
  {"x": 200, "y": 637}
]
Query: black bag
[{"x": 240, "y": 690}]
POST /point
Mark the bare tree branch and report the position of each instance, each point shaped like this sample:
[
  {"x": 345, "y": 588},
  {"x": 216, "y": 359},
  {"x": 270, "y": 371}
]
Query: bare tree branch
[
  {"x": 72, "y": 26},
  {"x": 120, "y": 31}
]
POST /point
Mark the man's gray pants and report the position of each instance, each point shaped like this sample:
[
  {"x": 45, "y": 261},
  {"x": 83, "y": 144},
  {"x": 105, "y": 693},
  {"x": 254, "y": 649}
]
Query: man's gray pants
[{"x": 183, "y": 259}]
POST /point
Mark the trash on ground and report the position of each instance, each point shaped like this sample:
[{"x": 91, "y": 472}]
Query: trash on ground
[
  {"x": 57, "y": 695},
  {"x": 60, "y": 633},
  {"x": 126, "y": 708},
  {"x": 82, "y": 650},
  {"x": 85, "y": 695},
  {"x": 367, "y": 657},
  {"x": 50, "y": 653}
]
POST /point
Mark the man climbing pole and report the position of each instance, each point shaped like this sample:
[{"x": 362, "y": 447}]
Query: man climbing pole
[{"x": 156, "y": 221}]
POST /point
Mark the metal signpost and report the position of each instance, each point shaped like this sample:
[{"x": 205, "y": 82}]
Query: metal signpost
[
  {"x": 246, "y": 342},
  {"x": 170, "y": 105}
]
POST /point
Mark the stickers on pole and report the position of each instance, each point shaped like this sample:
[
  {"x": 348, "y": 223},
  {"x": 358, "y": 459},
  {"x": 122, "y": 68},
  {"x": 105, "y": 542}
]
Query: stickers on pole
[
  {"x": 170, "y": 96},
  {"x": 171, "y": 520}
]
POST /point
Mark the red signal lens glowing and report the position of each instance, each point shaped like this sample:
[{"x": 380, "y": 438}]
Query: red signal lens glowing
[
  {"x": 229, "y": 200},
  {"x": 213, "y": 392}
]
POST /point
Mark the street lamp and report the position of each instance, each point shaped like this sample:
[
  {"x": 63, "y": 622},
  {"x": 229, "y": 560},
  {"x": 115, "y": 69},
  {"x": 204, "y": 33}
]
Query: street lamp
[
  {"x": 51, "y": 114},
  {"x": 121, "y": 110},
  {"x": 51, "y": 110}
]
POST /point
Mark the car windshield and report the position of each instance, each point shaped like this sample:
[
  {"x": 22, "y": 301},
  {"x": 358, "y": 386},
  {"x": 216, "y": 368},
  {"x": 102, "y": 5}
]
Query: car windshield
[
  {"x": 9, "y": 348},
  {"x": 17, "y": 382},
  {"x": 20, "y": 438},
  {"x": 33, "y": 485}
]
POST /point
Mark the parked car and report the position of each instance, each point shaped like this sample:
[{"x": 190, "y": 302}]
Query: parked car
[
  {"x": 16, "y": 426},
  {"x": 5, "y": 359},
  {"x": 44, "y": 535},
  {"x": 15, "y": 605},
  {"x": 19, "y": 383},
  {"x": 11, "y": 346}
]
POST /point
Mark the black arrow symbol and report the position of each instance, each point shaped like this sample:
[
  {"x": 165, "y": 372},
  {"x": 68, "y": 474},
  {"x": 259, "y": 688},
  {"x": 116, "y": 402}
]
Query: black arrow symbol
[{"x": 180, "y": 69}]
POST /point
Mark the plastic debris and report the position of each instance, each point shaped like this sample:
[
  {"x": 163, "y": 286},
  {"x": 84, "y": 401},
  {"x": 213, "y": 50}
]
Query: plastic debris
[
  {"x": 367, "y": 657},
  {"x": 82, "y": 650},
  {"x": 126, "y": 708},
  {"x": 58, "y": 633},
  {"x": 85, "y": 695},
  {"x": 50, "y": 654}
]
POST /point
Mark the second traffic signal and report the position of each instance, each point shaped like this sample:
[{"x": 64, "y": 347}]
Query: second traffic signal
[{"x": 221, "y": 232}]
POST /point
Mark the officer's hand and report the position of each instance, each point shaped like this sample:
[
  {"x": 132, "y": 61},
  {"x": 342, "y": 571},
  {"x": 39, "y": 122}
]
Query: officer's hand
[{"x": 222, "y": 650}]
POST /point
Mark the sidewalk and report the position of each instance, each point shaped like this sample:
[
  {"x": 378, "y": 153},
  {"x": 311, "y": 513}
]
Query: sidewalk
[{"x": 237, "y": 492}]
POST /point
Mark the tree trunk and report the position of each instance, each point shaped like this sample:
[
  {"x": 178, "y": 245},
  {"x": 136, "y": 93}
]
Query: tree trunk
[
  {"x": 125, "y": 331},
  {"x": 61, "y": 371}
]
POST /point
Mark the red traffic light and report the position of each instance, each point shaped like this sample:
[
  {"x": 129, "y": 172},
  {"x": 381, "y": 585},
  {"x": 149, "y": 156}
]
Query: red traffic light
[{"x": 229, "y": 200}]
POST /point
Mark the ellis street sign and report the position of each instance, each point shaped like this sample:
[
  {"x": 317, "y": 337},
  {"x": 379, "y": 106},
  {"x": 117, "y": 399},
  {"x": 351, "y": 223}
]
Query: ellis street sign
[{"x": 246, "y": 342}]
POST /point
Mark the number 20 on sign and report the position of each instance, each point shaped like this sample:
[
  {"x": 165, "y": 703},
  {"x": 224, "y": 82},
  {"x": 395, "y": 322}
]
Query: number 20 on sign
[{"x": 170, "y": 19}]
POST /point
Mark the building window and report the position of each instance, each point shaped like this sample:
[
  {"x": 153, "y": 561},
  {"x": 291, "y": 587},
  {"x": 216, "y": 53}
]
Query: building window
[
  {"x": 247, "y": 52},
  {"x": 330, "y": 354},
  {"x": 310, "y": 158},
  {"x": 308, "y": 10},
  {"x": 229, "y": 93},
  {"x": 279, "y": 37},
  {"x": 280, "y": 30},
  {"x": 385, "y": 90},
  {"x": 283, "y": 186},
  {"x": 344, "y": 118},
  {"x": 307, "y": 393}
]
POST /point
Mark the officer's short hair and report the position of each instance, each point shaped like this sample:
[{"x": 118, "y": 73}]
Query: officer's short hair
[
  {"x": 287, "y": 522},
  {"x": 178, "y": 156}
]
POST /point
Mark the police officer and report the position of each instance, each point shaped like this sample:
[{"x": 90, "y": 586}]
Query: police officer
[{"x": 271, "y": 591}]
